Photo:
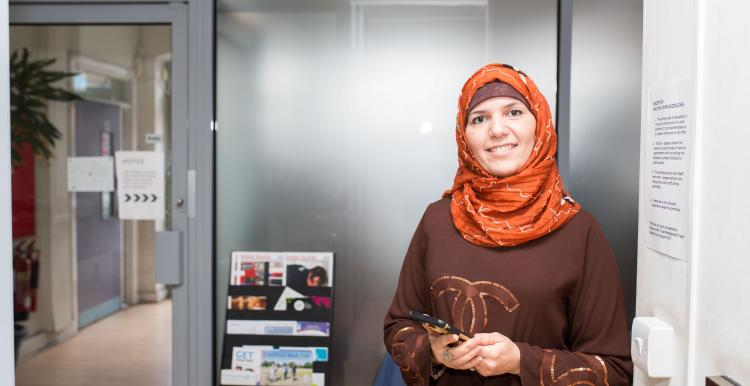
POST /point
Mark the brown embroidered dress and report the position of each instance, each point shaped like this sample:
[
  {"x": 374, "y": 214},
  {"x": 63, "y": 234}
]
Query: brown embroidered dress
[{"x": 558, "y": 297}]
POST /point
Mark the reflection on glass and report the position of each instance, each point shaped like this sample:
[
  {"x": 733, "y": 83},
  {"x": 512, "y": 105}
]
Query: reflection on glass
[
  {"x": 96, "y": 86},
  {"x": 336, "y": 129}
]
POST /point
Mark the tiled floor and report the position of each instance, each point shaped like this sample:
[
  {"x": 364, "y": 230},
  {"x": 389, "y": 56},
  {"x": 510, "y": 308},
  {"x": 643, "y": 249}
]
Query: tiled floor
[{"x": 130, "y": 348}]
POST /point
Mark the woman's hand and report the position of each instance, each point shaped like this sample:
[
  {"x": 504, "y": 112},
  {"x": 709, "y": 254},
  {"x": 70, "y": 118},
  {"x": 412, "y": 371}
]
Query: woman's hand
[
  {"x": 499, "y": 355},
  {"x": 460, "y": 357}
]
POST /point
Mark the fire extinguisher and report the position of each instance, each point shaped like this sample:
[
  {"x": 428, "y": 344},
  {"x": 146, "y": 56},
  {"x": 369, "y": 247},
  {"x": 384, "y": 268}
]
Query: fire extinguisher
[
  {"x": 33, "y": 254},
  {"x": 21, "y": 282},
  {"x": 25, "y": 279}
]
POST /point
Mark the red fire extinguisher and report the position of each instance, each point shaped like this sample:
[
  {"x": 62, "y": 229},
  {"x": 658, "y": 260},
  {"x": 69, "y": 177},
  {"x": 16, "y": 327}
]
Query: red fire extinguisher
[{"x": 25, "y": 279}]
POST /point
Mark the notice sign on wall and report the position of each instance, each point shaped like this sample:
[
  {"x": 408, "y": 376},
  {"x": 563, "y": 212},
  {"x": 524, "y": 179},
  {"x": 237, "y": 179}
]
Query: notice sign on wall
[
  {"x": 140, "y": 184},
  {"x": 91, "y": 174},
  {"x": 670, "y": 123}
]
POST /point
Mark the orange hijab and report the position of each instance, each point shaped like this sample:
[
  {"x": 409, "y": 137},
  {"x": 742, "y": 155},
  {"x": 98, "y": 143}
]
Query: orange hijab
[{"x": 495, "y": 211}]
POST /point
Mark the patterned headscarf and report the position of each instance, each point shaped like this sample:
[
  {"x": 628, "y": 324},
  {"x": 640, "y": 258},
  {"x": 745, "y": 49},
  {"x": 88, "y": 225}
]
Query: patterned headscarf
[{"x": 495, "y": 211}]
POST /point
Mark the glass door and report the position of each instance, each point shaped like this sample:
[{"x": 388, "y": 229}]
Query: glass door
[{"x": 100, "y": 193}]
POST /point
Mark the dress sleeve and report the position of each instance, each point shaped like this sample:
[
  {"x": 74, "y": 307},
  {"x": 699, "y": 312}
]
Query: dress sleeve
[
  {"x": 597, "y": 335},
  {"x": 405, "y": 339}
]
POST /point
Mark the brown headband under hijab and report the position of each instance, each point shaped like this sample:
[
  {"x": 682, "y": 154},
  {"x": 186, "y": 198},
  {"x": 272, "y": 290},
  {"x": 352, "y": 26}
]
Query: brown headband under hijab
[{"x": 493, "y": 90}]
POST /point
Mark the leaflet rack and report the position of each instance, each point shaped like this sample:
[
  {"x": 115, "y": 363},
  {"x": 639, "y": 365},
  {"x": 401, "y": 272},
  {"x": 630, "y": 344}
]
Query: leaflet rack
[{"x": 279, "y": 315}]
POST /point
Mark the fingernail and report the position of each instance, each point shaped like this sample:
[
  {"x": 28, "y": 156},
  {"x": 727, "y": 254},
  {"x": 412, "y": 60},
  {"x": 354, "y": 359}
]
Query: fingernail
[{"x": 455, "y": 337}]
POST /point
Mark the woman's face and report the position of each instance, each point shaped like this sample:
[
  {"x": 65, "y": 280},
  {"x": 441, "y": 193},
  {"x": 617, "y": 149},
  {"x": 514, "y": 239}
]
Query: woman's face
[{"x": 500, "y": 133}]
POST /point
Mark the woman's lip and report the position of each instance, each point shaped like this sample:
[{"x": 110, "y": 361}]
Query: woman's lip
[{"x": 501, "y": 148}]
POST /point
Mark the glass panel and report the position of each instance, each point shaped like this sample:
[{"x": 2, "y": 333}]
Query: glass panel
[
  {"x": 336, "y": 130},
  {"x": 84, "y": 268},
  {"x": 95, "y": 86}
]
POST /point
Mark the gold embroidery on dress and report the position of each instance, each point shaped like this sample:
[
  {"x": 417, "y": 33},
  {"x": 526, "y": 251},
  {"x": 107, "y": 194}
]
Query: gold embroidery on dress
[
  {"x": 473, "y": 294},
  {"x": 404, "y": 354},
  {"x": 592, "y": 375}
]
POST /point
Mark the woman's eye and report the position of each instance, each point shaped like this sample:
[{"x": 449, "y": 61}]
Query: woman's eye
[
  {"x": 515, "y": 112},
  {"x": 478, "y": 120}
]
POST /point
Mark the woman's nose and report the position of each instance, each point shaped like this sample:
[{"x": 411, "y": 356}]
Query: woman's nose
[{"x": 498, "y": 128}]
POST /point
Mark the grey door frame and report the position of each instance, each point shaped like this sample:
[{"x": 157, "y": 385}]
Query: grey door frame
[{"x": 192, "y": 155}]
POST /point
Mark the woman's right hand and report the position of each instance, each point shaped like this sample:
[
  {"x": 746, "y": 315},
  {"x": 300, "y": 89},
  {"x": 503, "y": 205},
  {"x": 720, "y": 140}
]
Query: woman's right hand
[{"x": 464, "y": 356}]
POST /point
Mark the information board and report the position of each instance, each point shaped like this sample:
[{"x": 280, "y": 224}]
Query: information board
[{"x": 670, "y": 125}]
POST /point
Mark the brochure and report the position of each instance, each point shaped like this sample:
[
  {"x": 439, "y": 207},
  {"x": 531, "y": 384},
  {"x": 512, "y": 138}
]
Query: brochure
[
  {"x": 244, "y": 303},
  {"x": 287, "y": 366},
  {"x": 304, "y": 270},
  {"x": 278, "y": 327}
]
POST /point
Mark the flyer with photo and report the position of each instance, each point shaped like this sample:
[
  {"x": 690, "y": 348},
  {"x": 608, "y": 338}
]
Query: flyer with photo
[
  {"x": 305, "y": 270},
  {"x": 249, "y": 269},
  {"x": 268, "y": 365},
  {"x": 257, "y": 269},
  {"x": 287, "y": 366},
  {"x": 247, "y": 303}
]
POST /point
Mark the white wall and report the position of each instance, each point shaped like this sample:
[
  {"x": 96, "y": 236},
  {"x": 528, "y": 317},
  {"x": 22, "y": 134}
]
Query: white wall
[
  {"x": 702, "y": 298},
  {"x": 722, "y": 340},
  {"x": 7, "y": 372}
]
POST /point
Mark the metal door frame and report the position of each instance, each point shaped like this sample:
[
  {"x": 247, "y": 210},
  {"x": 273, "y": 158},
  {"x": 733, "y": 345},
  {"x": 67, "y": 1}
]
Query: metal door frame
[{"x": 192, "y": 156}]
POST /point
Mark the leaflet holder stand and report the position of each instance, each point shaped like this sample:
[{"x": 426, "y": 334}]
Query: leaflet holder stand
[{"x": 278, "y": 319}]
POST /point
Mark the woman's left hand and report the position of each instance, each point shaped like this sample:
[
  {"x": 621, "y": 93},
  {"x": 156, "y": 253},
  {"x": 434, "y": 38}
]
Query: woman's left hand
[{"x": 499, "y": 355}]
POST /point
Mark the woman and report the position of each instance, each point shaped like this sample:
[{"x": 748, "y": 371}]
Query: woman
[{"x": 508, "y": 257}]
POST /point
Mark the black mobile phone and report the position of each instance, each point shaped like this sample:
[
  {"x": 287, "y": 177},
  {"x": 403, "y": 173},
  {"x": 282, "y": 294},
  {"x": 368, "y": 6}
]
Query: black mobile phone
[{"x": 437, "y": 325}]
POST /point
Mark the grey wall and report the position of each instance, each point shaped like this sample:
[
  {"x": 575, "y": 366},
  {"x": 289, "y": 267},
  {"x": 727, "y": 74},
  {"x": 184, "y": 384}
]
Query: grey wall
[
  {"x": 320, "y": 146},
  {"x": 605, "y": 113}
]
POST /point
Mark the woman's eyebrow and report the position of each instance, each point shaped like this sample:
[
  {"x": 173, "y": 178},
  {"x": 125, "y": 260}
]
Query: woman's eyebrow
[{"x": 505, "y": 106}]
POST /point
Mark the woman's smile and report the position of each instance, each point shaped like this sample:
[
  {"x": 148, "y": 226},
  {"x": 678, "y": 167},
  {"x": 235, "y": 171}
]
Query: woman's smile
[{"x": 501, "y": 149}]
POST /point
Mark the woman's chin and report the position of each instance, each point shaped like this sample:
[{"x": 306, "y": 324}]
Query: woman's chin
[{"x": 501, "y": 171}]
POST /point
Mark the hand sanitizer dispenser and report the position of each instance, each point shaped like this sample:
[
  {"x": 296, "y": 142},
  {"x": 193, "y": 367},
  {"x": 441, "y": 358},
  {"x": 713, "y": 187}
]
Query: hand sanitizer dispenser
[{"x": 652, "y": 346}]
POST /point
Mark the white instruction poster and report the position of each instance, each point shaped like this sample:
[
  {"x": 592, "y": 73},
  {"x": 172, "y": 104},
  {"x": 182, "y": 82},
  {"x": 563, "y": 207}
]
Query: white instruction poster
[
  {"x": 140, "y": 184},
  {"x": 669, "y": 147},
  {"x": 91, "y": 174}
]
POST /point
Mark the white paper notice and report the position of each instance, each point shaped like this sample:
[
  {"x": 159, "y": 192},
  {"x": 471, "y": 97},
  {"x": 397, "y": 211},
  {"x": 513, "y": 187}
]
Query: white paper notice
[
  {"x": 670, "y": 123},
  {"x": 91, "y": 174},
  {"x": 140, "y": 184}
]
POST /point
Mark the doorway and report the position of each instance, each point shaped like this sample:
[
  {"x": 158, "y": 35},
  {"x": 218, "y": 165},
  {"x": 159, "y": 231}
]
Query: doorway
[
  {"x": 90, "y": 260},
  {"x": 97, "y": 263}
]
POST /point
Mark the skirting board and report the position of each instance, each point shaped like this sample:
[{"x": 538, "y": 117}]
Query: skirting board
[{"x": 43, "y": 340}]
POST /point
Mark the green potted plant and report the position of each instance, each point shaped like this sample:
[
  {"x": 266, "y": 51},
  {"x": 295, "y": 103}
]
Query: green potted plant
[{"x": 31, "y": 86}]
